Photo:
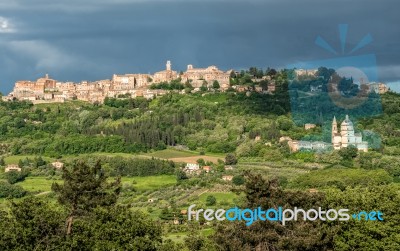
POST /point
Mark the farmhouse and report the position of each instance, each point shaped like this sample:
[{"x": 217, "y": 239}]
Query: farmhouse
[
  {"x": 309, "y": 126},
  {"x": 12, "y": 167},
  {"x": 207, "y": 168},
  {"x": 57, "y": 164},
  {"x": 192, "y": 168},
  {"x": 227, "y": 177},
  {"x": 228, "y": 168}
]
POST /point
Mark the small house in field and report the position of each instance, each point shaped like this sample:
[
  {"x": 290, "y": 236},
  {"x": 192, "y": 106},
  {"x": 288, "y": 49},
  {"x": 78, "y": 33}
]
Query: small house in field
[
  {"x": 241, "y": 88},
  {"x": 285, "y": 138},
  {"x": 271, "y": 87},
  {"x": 227, "y": 177},
  {"x": 258, "y": 89},
  {"x": 309, "y": 126},
  {"x": 227, "y": 168},
  {"x": 178, "y": 220},
  {"x": 192, "y": 168},
  {"x": 207, "y": 169},
  {"x": 57, "y": 164},
  {"x": 313, "y": 190},
  {"x": 12, "y": 167}
]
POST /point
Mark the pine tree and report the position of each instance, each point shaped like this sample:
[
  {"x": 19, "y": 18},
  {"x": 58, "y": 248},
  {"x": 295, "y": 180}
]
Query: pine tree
[{"x": 85, "y": 187}]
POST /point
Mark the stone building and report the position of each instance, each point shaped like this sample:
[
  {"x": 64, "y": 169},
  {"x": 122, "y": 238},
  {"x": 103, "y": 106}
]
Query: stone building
[
  {"x": 130, "y": 81},
  {"x": 379, "y": 88},
  {"x": 347, "y": 136},
  {"x": 306, "y": 72},
  {"x": 197, "y": 76},
  {"x": 28, "y": 90},
  {"x": 192, "y": 168},
  {"x": 296, "y": 145},
  {"x": 57, "y": 164},
  {"x": 227, "y": 177},
  {"x": 165, "y": 76},
  {"x": 344, "y": 138},
  {"x": 309, "y": 126},
  {"x": 12, "y": 167}
]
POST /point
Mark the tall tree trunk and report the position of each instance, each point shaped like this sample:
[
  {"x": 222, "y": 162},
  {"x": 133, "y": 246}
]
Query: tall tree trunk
[{"x": 69, "y": 224}]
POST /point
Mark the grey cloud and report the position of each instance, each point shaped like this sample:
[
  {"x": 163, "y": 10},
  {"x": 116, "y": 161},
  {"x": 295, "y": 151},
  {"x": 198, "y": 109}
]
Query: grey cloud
[{"x": 72, "y": 40}]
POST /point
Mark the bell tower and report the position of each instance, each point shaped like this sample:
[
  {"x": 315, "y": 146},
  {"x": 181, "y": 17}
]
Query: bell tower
[
  {"x": 334, "y": 128},
  {"x": 168, "y": 66}
]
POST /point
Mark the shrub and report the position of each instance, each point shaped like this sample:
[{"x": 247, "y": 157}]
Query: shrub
[
  {"x": 238, "y": 180},
  {"x": 7, "y": 190},
  {"x": 211, "y": 200},
  {"x": 13, "y": 177},
  {"x": 230, "y": 159}
]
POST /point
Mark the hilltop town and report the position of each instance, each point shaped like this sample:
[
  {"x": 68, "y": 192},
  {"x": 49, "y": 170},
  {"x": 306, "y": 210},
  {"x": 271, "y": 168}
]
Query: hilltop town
[
  {"x": 48, "y": 90},
  {"x": 136, "y": 85}
]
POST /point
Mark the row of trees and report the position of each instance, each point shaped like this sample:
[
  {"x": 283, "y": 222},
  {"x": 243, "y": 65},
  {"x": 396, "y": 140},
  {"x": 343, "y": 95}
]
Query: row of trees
[
  {"x": 128, "y": 102},
  {"x": 173, "y": 85},
  {"x": 76, "y": 144},
  {"x": 119, "y": 166}
]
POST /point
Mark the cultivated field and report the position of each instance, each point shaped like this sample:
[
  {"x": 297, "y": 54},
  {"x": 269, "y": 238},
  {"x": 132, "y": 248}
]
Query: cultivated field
[
  {"x": 184, "y": 156},
  {"x": 193, "y": 159}
]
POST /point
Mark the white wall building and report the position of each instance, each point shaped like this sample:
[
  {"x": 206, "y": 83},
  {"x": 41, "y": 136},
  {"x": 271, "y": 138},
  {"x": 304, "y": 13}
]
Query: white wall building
[{"x": 347, "y": 136}]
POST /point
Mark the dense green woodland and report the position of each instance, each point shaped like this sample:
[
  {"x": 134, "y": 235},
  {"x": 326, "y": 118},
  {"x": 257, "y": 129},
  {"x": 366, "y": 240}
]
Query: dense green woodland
[{"x": 215, "y": 122}]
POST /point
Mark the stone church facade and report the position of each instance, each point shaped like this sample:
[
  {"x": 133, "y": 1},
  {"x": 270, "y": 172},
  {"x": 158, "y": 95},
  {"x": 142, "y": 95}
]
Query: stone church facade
[
  {"x": 340, "y": 139},
  {"x": 347, "y": 136}
]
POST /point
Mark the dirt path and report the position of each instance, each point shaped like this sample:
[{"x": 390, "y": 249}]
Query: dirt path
[{"x": 43, "y": 193}]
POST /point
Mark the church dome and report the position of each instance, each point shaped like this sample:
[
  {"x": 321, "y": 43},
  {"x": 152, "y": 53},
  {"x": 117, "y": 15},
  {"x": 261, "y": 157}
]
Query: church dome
[
  {"x": 346, "y": 124},
  {"x": 347, "y": 121}
]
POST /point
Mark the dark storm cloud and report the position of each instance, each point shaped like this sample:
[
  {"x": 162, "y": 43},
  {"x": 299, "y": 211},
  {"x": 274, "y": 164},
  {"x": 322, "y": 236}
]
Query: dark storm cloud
[{"x": 92, "y": 40}]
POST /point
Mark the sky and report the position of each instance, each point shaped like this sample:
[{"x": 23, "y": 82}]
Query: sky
[{"x": 91, "y": 40}]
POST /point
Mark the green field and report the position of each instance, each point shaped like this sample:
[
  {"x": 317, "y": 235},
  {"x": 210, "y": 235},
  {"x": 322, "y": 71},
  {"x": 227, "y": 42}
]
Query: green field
[
  {"x": 14, "y": 159},
  {"x": 37, "y": 184},
  {"x": 100, "y": 154},
  {"x": 171, "y": 153},
  {"x": 180, "y": 236},
  {"x": 150, "y": 182},
  {"x": 163, "y": 154},
  {"x": 76, "y": 104},
  {"x": 43, "y": 184},
  {"x": 222, "y": 197},
  {"x": 219, "y": 155}
]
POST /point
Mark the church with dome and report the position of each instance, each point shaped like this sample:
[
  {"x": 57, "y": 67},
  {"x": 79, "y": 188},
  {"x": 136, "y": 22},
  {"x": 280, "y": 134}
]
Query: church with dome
[
  {"x": 340, "y": 139},
  {"x": 347, "y": 136}
]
